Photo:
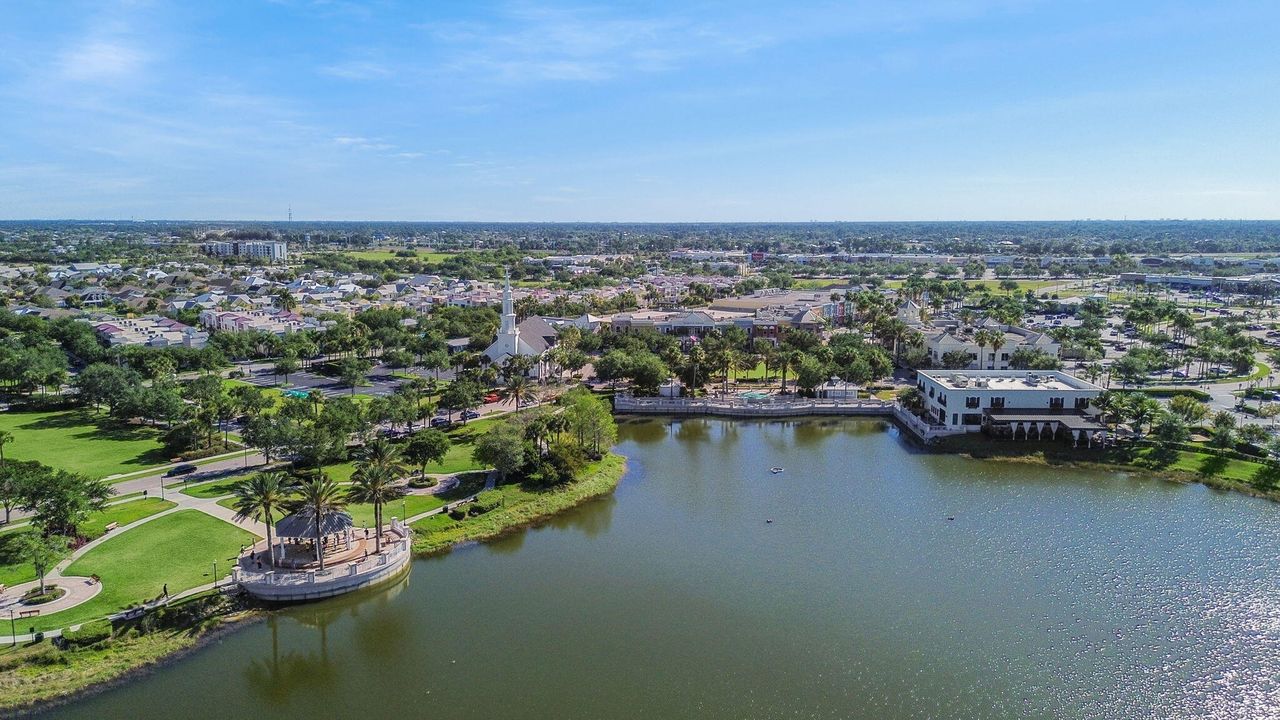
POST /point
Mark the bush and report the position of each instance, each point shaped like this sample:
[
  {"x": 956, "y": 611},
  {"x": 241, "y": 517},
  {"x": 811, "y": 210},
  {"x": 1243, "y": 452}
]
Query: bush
[
  {"x": 484, "y": 502},
  {"x": 88, "y": 634},
  {"x": 458, "y": 513},
  {"x": 52, "y": 592}
]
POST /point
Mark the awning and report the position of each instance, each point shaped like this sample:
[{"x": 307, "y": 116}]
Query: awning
[{"x": 1070, "y": 421}]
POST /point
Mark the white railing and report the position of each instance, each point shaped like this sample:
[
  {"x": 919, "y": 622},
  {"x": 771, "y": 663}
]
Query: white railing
[
  {"x": 394, "y": 552},
  {"x": 767, "y": 406}
]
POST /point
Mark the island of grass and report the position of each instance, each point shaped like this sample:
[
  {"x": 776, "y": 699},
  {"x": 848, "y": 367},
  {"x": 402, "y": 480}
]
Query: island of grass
[
  {"x": 79, "y": 441},
  {"x": 517, "y": 505},
  {"x": 179, "y": 550}
]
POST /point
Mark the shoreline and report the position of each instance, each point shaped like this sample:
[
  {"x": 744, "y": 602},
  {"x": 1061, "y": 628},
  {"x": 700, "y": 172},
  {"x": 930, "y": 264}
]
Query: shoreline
[
  {"x": 46, "y": 705},
  {"x": 604, "y": 478}
]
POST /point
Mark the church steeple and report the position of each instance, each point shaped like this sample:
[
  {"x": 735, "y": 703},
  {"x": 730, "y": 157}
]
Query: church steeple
[{"x": 508, "y": 307}]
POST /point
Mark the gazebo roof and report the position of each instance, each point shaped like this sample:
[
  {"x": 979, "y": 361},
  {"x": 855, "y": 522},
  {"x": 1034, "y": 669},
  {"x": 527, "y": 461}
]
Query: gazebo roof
[{"x": 303, "y": 525}]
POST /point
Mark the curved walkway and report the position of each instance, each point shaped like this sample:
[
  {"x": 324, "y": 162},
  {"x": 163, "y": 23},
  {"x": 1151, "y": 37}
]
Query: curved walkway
[{"x": 79, "y": 590}]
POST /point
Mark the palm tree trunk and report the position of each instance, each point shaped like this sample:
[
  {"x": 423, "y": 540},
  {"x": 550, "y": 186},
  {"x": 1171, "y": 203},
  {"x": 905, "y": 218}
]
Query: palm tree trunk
[
  {"x": 377, "y": 527},
  {"x": 319, "y": 544},
  {"x": 271, "y": 550}
]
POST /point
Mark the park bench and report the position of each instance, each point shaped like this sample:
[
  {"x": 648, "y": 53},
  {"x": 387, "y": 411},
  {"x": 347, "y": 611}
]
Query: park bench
[
  {"x": 28, "y": 613},
  {"x": 111, "y": 526}
]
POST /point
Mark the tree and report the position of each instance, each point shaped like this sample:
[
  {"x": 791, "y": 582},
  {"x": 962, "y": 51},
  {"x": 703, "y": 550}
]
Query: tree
[
  {"x": 519, "y": 389},
  {"x": 502, "y": 448},
  {"x": 286, "y": 365},
  {"x": 42, "y": 550},
  {"x": 260, "y": 497},
  {"x": 59, "y": 501},
  {"x": 1253, "y": 434},
  {"x": 426, "y": 447},
  {"x": 317, "y": 498},
  {"x": 461, "y": 395},
  {"x": 1141, "y": 410},
  {"x": 589, "y": 420},
  {"x": 1188, "y": 408},
  {"x": 810, "y": 373},
  {"x": 1223, "y": 431},
  {"x": 377, "y": 480},
  {"x": 1170, "y": 430},
  {"x": 1028, "y": 359},
  {"x": 352, "y": 371},
  {"x": 6, "y": 437},
  {"x": 957, "y": 359}
]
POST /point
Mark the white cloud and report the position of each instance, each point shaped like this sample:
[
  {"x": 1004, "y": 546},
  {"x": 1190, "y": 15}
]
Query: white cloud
[{"x": 101, "y": 61}]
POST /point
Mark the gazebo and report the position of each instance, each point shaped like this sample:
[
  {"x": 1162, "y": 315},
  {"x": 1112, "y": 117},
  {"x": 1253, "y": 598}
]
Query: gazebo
[{"x": 333, "y": 539}]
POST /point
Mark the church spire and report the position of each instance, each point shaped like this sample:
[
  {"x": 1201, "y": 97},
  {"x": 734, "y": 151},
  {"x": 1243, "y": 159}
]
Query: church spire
[{"x": 508, "y": 307}]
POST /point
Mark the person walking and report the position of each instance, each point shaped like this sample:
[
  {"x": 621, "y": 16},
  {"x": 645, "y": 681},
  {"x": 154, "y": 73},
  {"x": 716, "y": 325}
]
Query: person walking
[{"x": 166, "y": 591}]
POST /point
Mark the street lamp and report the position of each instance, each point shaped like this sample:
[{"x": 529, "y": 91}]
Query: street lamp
[{"x": 215, "y": 573}]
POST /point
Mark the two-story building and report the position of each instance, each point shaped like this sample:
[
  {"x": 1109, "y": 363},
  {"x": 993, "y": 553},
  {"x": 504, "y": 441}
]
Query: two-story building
[{"x": 1021, "y": 404}]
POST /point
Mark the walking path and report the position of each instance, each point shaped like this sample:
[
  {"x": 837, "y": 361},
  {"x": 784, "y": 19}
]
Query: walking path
[{"x": 81, "y": 590}]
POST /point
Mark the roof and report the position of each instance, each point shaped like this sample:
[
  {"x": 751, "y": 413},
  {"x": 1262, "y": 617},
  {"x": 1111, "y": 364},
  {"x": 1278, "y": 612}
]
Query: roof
[
  {"x": 302, "y": 524},
  {"x": 537, "y": 334}
]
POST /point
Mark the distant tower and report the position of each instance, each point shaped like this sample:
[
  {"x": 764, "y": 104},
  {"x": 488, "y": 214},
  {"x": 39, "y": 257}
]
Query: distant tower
[{"x": 290, "y": 213}]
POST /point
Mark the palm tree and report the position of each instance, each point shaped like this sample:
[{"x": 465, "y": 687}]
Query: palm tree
[
  {"x": 6, "y": 437},
  {"x": 378, "y": 485},
  {"x": 520, "y": 389},
  {"x": 260, "y": 497},
  {"x": 316, "y": 498},
  {"x": 987, "y": 338}
]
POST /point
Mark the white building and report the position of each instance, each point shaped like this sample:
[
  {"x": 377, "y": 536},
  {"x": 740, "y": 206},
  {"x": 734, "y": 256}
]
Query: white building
[
  {"x": 954, "y": 339},
  {"x": 531, "y": 338},
  {"x": 272, "y": 251},
  {"x": 1009, "y": 403}
]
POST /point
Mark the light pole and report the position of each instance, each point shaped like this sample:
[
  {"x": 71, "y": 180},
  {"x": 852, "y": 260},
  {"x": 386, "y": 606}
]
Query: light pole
[
  {"x": 215, "y": 573},
  {"x": 13, "y": 629}
]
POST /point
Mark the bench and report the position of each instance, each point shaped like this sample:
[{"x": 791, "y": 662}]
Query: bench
[
  {"x": 28, "y": 613},
  {"x": 111, "y": 526}
]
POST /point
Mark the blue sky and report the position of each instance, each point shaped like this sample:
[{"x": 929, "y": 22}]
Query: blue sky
[{"x": 640, "y": 111}]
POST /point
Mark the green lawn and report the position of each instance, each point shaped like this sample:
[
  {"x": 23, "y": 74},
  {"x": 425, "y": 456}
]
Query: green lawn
[
  {"x": 213, "y": 488},
  {"x": 14, "y": 570},
  {"x": 431, "y": 257},
  {"x": 177, "y": 549},
  {"x": 75, "y": 440},
  {"x": 520, "y": 506}
]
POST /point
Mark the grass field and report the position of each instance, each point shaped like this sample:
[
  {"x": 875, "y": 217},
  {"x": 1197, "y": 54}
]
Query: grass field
[
  {"x": 14, "y": 570},
  {"x": 177, "y": 549},
  {"x": 213, "y": 488},
  {"x": 74, "y": 440}
]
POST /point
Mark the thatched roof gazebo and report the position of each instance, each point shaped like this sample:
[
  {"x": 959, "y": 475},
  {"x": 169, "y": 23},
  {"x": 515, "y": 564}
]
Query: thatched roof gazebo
[
  {"x": 302, "y": 525},
  {"x": 333, "y": 528}
]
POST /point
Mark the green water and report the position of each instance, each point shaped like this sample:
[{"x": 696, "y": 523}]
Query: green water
[{"x": 889, "y": 584}]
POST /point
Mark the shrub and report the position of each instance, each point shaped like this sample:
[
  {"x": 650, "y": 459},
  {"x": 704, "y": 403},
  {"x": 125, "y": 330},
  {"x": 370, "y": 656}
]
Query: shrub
[
  {"x": 88, "y": 634},
  {"x": 458, "y": 513},
  {"x": 484, "y": 502}
]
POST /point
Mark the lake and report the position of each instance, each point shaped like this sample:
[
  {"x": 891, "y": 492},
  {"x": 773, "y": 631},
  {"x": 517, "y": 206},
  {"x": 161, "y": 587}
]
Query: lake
[{"x": 866, "y": 580}]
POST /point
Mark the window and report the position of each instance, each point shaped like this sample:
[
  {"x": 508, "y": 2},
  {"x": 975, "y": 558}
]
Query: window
[
  {"x": 1055, "y": 403},
  {"x": 1004, "y": 357},
  {"x": 971, "y": 419},
  {"x": 972, "y": 402},
  {"x": 1082, "y": 403},
  {"x": 942, "y": 400},
  {"x": 997, "y": 402},
  {"x": 955, "y": 419}
]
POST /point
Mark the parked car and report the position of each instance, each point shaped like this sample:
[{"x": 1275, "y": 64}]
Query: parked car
[
  {"x": 492, "y": 398},
  {"x": 470, "y": 414},
  {"x": 183, "y": 469},
  {"x": 1179, "y": 374},
  {"x": 440, "y": 422}
]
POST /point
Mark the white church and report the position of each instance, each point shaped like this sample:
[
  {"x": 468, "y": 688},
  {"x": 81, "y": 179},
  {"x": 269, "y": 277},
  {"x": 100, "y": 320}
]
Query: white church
[{"x": 531, "y": 338}]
